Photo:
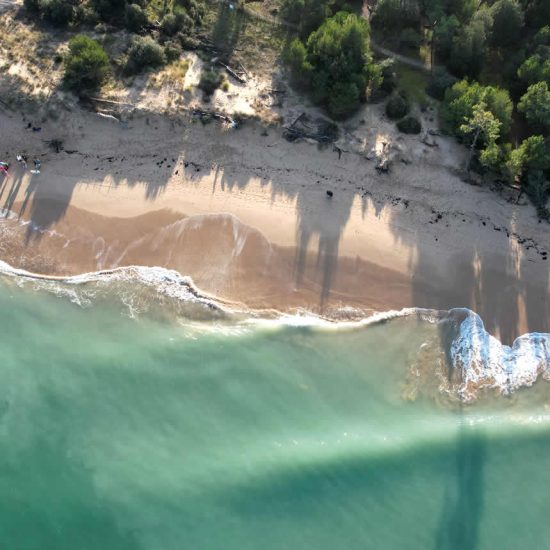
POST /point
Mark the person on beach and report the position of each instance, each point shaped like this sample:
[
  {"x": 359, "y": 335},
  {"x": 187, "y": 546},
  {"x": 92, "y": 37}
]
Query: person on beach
[{"x": 22, "y": 159}]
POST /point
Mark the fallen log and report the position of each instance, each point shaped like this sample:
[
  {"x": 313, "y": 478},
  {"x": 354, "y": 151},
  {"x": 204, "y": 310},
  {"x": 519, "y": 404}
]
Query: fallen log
[{"x": 232, "y": 72}]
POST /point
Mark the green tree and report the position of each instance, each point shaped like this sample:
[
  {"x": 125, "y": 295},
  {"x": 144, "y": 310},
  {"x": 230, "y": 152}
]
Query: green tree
[
  {"x": 445, "y": 32},
  {"x": 337, "y": 63},
  {"x": 86, "y": 65},
  {"x": 535, "y": 69},
  {"x": 295, "y": 56},
  {"x": 542, "y": 38},
  {"x": 144, "y": 53},
  {"x": 463, "y": 96},
  {"x": 482, "y": 126},
  {"x": 535, "y": 105},
  {"x": 531, "y": 155},
  {"x": 58, "y": 12},
  {"x": 507, "y": 22},
  {"x": 136, "y": 17},
  {"x": 112, "y": 11},
  {"x": 396, "y": 14},
  {"x": 470, "y": 48}
]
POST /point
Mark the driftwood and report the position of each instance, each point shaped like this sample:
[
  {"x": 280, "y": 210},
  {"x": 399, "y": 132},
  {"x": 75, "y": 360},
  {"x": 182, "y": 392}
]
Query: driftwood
[
  {"x": 326, "y": 132},
  {"x": 231, "y": 72},
  {"x": 110, "y": 101},
  {"x": 209, "y": 115}
]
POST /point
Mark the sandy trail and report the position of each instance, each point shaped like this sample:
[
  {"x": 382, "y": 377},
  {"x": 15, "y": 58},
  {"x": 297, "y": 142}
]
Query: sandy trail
[{"x": 247, "y": 216}]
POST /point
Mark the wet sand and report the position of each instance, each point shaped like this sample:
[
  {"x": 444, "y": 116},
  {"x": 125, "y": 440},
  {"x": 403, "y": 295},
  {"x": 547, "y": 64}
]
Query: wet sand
[{"x": 247, "y": 216}]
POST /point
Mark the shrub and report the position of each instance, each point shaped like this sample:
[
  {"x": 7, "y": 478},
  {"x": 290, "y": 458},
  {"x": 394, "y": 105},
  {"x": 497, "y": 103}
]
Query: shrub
[
  {"x": 172, "y": 51},
  {"x": 144, "y": 53},
  {"x": 86, "y": 65},
  {"x": 169, "y": 24},
  {"x": 439, "y": 83},
  {"x": 111, "y": 11},
  {"x": 542, "y": 38},
  {"x": 58, "y": 12},
  {"x": 32, "y": 6},
  {"x": 397, "y": 107},
  {"x": 409, "y": 125},
  {"x": 462, "y": 97},
  {"x": 507, "y": 22},
  {"x": 210, "y": 81},
  {"x": 172, "y": 23},
  {"x": 410, "y": 38},
  {"x": 136, "y": 18}
]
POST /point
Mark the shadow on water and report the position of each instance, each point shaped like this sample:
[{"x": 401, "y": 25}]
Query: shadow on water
[{"x": 463, "y": 501}]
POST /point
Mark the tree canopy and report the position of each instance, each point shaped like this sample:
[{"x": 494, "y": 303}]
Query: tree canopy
[
  {"x": 86, "y": 65},
  {"x": 335, "y": 63}
]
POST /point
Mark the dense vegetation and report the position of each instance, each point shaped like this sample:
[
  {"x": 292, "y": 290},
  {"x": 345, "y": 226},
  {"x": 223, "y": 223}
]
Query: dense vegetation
[
  {"x": 335, "y": 63},
  {"x": 86, "y": 65},
  {"x": 493, "y": 76},
  {"x": 171, "y": 23}
]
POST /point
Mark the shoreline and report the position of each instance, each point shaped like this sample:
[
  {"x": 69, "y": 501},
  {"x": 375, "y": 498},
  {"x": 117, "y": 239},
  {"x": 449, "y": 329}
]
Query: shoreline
[{"x": 246, "y": 216}]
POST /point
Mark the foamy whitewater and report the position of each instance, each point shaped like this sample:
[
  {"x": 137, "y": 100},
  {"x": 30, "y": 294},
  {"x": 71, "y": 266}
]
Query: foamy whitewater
[
  {"x": 482, "y": 360},
  {"x": 138, "y": 413}
]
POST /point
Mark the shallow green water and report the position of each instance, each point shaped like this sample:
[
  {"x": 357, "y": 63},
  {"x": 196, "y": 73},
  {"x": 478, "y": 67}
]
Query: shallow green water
[{"x": 119, "y": 433}]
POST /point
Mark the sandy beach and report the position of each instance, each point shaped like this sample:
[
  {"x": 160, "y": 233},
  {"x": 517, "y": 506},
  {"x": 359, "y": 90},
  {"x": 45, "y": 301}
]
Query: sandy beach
[{"x": 247, "y": 216}]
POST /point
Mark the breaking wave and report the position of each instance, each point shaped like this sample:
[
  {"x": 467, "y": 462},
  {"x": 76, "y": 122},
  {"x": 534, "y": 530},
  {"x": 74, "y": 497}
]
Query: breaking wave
[{"x": 469, "y": 359}]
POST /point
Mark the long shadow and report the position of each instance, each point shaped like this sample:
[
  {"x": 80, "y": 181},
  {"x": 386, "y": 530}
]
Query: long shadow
[
  {"x": 230, "y": 23},
  {"x": 463, "y": 507}
]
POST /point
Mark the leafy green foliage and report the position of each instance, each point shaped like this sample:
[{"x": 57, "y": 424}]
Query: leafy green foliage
[
  {"x": 396, "y": 14},
  {"x": 440, "y": 82},
  {"x": 409, "y": 125},
  {"x": 462, "y": 97},
  {"x": 397, "y": 107},
  {"x": 542, "y": 38},
  {"x": 111, "y": 11},
  {"x": 144, "y": 53},
  {"x": 469, "y": 48},
  {"x": 86, "y": 65},
  {"x": 335, "y": 63},
  {"x": 308, "y": 15},
  {"x": 210, "y": 81},
  {"x": 136, "y": 18},
  {"x": 535, "y": 68},
  {"x": 535, "y": 105},
  {"x": 445, "y": 32},
  {"x": 531, "y": 155},
  {"x": 507, "y": 22}
]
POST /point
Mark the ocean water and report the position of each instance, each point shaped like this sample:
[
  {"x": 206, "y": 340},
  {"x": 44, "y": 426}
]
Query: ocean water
[{"x": 135, "y": 414}]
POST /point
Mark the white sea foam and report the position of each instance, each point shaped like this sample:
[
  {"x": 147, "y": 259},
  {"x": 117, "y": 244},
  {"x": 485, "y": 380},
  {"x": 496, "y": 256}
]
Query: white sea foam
[
  {"x": 480, "y": 358},
  {"x": 485, "y": 362}
]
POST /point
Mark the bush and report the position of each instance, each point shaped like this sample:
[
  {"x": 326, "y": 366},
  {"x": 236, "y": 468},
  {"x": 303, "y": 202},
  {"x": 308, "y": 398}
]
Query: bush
[
  {"x": 172, "y": 51},
  {"x": 542, "y": 38},
  {"x": 86, "y": 65},
  {"x": 172, "y": 23},
  {"x": 32, "y": 6},
  {"x": 210, "y": 81},
  {"x": 397, "y": 107},
  {"x": 111, "y": 11},
  {"x": 144, "y": 53},
  {"x": 507, "y": 22},
  {"x": 136, "y": 18},
  {"x": 410, "y": 38},
  {"x": 409, "y": 125},
  {"x": 439, "y": 83},
  {"x": 58, "y": 12}
]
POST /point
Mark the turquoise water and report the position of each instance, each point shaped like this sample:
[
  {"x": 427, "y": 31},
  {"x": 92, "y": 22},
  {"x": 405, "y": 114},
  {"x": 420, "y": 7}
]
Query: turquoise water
[{"x": 127, "y": 429}]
